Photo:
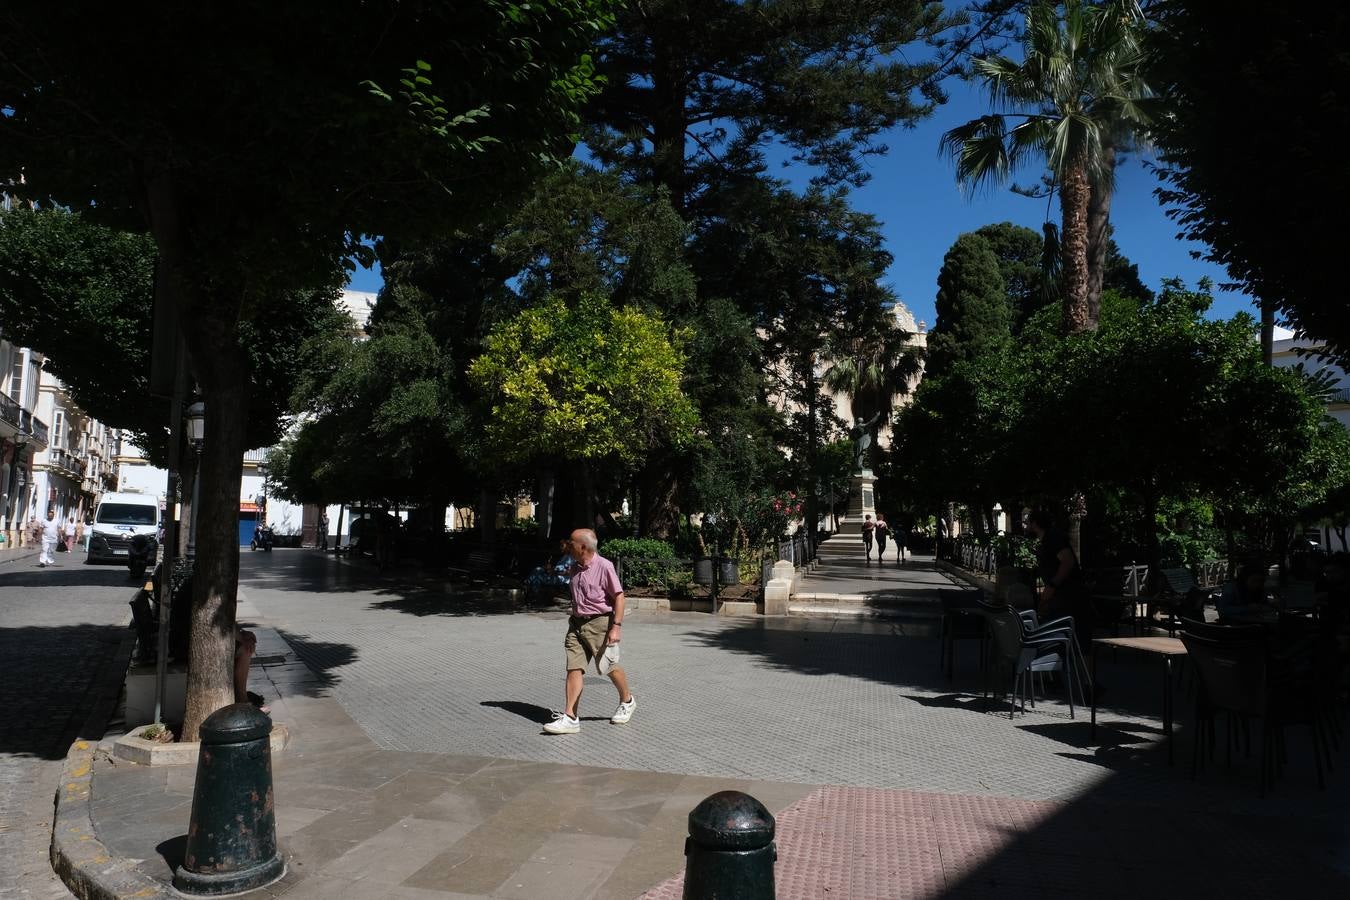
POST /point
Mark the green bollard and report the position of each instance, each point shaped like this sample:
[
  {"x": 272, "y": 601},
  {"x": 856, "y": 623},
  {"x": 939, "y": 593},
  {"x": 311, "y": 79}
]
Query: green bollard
[
  {"x": 730, "y": 851},
  {"x": 232, "y": 838}
]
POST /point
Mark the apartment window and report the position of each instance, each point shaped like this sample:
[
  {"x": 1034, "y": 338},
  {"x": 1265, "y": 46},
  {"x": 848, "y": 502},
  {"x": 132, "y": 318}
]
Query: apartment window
[
  {"x": 59, "y": 429},
  {"x": 16, "y": 375},
  {"x": 30, "y": 387}
]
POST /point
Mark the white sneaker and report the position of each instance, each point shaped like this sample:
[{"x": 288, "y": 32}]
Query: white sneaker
[
  {"x": 563, "y": 724},
  {"x": 624, "y": 712}
]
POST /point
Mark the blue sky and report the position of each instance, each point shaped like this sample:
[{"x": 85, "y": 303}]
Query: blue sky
[{"x": 914, "y": 194}]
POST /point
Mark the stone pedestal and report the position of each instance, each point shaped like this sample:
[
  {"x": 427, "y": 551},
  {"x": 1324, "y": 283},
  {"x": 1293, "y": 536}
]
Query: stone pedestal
[
  {"x": 778, "y": 591},
  {"x": 862, "y": 501}
]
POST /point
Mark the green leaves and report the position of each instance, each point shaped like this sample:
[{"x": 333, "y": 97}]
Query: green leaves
[{"x": 586, "y": 382}]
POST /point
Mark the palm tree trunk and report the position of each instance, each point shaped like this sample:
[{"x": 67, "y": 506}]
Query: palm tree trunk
[
  {"x": 1074, "y": 196},
  {"x": 1099, "y": 236}
]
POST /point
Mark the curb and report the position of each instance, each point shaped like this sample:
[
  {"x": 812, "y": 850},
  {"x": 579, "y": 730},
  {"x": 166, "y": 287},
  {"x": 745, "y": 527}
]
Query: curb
[{"x": 78, "y": 857}]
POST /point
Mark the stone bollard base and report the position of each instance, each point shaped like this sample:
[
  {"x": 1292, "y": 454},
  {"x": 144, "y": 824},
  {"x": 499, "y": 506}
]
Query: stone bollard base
[{"x": 203, "y": 884}]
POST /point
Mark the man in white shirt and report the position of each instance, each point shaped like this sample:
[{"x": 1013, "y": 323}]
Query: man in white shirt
[{"x": 51, "y": 533}]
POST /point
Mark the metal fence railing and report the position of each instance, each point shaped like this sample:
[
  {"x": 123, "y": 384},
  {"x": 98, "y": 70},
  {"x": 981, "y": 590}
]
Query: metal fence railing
[
  {"x": 981, "y": 560},
  {"x": 796, "y": 550},
  {"x": 1211, "y": 573}
]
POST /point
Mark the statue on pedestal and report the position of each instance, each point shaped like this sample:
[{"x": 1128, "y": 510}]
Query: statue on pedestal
[{"x": 861, "y": 432}]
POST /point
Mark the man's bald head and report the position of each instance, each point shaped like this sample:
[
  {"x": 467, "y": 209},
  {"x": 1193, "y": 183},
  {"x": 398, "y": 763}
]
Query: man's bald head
[{"x": 585, "y": 543}]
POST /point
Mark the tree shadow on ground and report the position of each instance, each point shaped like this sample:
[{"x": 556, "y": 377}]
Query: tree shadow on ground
[
  {"x": 51, "y": 676},
  {"x": 912, "y": 662},
  {"x": 77, "y": 575},
  {"x": 408, "y": 591},
  {"x": 322, "y": 658},
  {"x": 469, "y": 602}
]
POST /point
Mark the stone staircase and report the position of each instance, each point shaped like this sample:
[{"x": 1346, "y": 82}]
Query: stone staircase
[{"x": 845, "y": 584}]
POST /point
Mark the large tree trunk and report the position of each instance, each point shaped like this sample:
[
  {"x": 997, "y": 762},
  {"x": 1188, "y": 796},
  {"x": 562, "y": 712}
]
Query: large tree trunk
[
  {"x": 812, "y": 450},
  {"x": 544, "y": 499},
  {"x": 658, "y": 511},
  {"x": 210, "y": 678},
  {"x": 486, "y": 514},
  {"x": 1099, "y": 236},
  {"x": 1074, "y": 195},
  {"x": 210, "y": 327}
]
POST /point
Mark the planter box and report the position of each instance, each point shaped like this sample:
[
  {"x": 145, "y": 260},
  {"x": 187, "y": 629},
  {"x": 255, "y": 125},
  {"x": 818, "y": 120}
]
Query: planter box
[
  {"x": 140, "y": 687},
  {"x": 180, "y": 753}
]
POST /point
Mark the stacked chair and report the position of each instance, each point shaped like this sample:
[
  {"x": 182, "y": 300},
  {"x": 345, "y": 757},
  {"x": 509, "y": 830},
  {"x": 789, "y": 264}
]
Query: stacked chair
[{"x": 1243, "y": 678}]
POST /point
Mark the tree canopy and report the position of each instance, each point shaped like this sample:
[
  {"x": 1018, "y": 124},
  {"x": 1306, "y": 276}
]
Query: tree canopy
[
  {"x": 973, "y": 315},
  {"x": 82, "y": 294},
  {"x": 1159, "y": 406},
  {"x": 1076, "y": 94},
  {"x": 1231, "y": 190},
  {"x": 332, "y": 137},
  {"x": 588, "y": 382}
]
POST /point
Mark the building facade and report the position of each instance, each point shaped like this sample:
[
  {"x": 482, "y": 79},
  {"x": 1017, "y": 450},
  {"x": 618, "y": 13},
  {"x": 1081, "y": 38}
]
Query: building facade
[
  {"x": 1289, "y": 351},
  {"x": 77, "y": 465},
  {"x": 23, "y": 435}
]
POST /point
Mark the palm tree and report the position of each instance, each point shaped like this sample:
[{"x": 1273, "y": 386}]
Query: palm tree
[
  {"x": 1075, "y": 97},
  {"x": 871, "y": 366}
]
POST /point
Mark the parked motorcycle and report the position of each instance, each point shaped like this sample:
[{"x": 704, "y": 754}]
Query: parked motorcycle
[
  {"x": 142, "y": 555},
  {"x": 262, "y": 538}
]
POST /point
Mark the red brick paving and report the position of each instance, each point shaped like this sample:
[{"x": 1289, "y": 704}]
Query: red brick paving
[{"x": 871, "y": 844}]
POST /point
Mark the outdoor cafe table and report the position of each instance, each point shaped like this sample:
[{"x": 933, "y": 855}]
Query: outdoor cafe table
[{"x": 1167, "y": 648}]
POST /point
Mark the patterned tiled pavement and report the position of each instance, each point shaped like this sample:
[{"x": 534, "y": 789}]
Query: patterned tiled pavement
[
  {"x": 58, "y": 627},
  {"x": 417, "y": 768}
]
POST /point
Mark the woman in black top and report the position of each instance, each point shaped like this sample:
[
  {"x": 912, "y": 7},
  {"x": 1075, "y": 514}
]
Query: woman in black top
[{"x": 1063, "y": 593}]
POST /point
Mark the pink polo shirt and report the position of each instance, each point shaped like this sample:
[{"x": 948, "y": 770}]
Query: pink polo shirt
[{"x": 593, "y": 586}]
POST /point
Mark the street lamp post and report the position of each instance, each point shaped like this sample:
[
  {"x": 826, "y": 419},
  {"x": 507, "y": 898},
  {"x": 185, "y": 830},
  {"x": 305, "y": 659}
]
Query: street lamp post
[{"x": 196, "y": 435}]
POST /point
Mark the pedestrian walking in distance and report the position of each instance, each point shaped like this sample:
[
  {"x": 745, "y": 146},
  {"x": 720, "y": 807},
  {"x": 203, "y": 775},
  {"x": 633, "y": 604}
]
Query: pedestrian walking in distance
[
  {"x": 882, "y": 531},
  {"x": 594, "y": 631},
  {"x": 51, "y": 533},
  {"x": 868, "y": 527}
]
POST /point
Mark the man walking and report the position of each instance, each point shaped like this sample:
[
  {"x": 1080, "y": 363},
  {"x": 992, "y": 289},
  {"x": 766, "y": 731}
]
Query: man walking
[
  {"x": 594, "y": 631},
  {"x": 868, "y": 526},
  {"x": 51, "y": 533}
]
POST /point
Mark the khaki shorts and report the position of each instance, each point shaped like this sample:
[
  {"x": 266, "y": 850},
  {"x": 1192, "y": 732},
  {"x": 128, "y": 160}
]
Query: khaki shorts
[{"x": 586, "y": 640}]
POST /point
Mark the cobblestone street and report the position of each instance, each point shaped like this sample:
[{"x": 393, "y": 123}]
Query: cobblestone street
[
  {"x": 810, "y": 700},
  {"x": 417, "y": 769},
  {"x": 59, "y": 628}
]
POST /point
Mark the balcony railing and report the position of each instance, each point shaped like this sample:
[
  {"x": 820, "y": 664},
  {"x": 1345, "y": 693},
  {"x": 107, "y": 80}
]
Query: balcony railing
[
  {"x": 253, "y": 457},
  {"x": 68, "y": 462},
  {"x": 1341, "y": 395},
  {"x": 38, "y": 429},
  {"x": 10, "y": 411}
]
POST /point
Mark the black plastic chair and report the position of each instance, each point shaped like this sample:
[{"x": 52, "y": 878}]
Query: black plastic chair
[
  {"x": 1022, "y": 654},
  {"x": 963, "y": 618},
  {"x": 1235, "y": 678}
]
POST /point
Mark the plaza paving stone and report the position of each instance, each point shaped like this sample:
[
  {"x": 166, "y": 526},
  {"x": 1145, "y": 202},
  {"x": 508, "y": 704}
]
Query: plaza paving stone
[
  {"x": 59, "y": 626},
  {"x": 417, "y": 768}
]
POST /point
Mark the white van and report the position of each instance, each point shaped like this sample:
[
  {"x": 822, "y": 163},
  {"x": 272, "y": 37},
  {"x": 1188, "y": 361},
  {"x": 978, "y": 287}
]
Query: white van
[{"x": 119, "y": 518}]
